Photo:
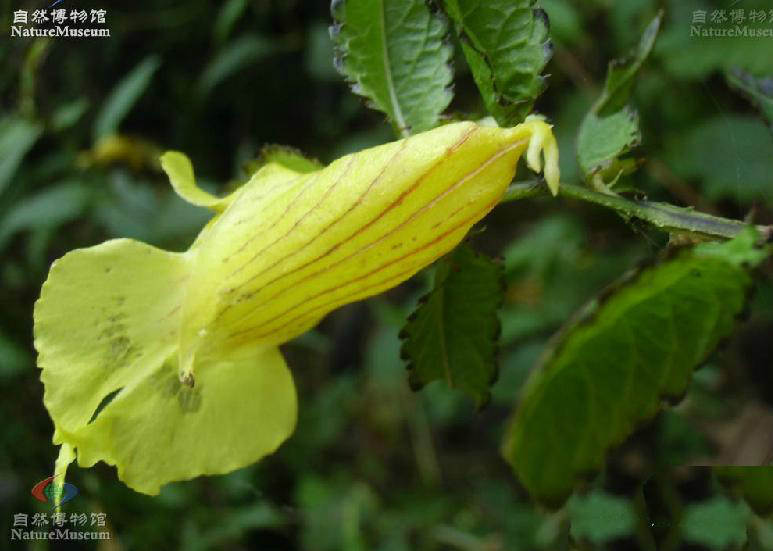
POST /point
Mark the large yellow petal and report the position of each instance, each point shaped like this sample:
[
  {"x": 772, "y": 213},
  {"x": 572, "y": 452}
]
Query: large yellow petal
[
  {"x": 240, "y": 409},
  {"x": 107, "y": 326},
  {"x": 107, "y": 315}
]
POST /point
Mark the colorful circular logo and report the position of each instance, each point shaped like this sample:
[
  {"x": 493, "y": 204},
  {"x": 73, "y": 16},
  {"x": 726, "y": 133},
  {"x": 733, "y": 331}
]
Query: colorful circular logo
[{"x": 45, "y": 490}]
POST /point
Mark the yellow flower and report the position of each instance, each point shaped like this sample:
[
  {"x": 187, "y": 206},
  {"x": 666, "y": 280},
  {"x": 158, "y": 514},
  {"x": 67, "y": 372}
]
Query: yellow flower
[{"x": 167, "y": 365}]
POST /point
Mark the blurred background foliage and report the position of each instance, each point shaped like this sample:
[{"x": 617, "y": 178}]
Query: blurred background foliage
[{"x": 372, "y": 464}]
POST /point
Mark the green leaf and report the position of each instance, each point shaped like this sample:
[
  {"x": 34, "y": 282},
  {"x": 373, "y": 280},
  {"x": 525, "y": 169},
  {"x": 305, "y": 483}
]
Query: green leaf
[
  {"x": 68, "y": 114},
  {"x": 609, "y": 370},
  {"x": 17, "y": 136},
  {"x": 717, "y": 523},
  {"x": 49, "y": 208},
  {"x": 611, "y": 127},
  {"x": 506, "y": 44},
  {"x": 395, "y": 54},
  {"x": 754, "y": 484},
  {"x": 731, "y": 155},
  {"x": 759, "y": 91},
  {"x": 453, "y": 334},
  {"x": 288, "y": 158},
  {"x": 621, "y": 74},
  {"x": 600, "y": 517},
  {"x": 227, "y": 17},
  {"x": 124, "y": 96},
  {"x": 601, "y": 140},
  {"x": 133, "y": 208},
  {"x": 234, "y": 57}
]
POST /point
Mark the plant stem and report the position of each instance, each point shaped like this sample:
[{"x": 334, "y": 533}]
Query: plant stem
[
  {"x": 643, "y": 529},
  {"x": 524, "y": 190},
  {"x": 665, "y": 216}
]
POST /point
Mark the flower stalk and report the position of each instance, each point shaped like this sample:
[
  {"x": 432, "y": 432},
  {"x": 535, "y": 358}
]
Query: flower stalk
[{"x": 663, "y": 216}]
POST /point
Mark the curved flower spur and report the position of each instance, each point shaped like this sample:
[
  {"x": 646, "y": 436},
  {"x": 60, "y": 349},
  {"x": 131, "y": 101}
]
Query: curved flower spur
[{"x": 167, "y": 365}]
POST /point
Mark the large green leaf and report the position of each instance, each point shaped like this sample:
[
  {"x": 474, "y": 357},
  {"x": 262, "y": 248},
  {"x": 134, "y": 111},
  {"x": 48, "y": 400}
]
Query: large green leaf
[
  {"x": 453, "y": 334},
  {"x": 395, "y": 54},
  {"x": 506, "y": 45},
  {"x": 610, "y": 369}
]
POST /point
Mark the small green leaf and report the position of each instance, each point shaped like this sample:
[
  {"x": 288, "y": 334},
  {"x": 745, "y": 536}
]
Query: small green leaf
[
  {"x": 453, "y": 334},
  {"x": 601, "y": 140},
  {"x": 124, "y": 96},
  {"x": 754, "y": 484},
  {"x": 227, "y": 17},
  {"x": 506, "y": 44},
  {"x": 610, "y": 369},
  {"x": 288, "y": 158},
  {"x": 17, "y": 136},
  {"x": 395, "y": 54},
  {"x": 717, "y": 523},
  {"x": 69, "y": 114},
  {"x": 758, "y": 90},
  {"x": 621, "y": 74},
  {"x": 600, "y": 517},
  {"x": 234, "y": 57},
  {"x": 611, "y": 127}
]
